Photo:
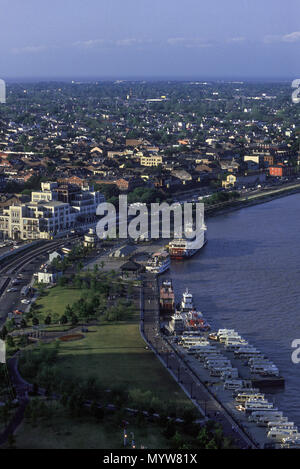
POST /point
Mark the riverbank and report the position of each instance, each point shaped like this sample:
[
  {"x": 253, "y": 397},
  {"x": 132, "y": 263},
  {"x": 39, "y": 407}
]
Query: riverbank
[{"x": 251, "y": 200}]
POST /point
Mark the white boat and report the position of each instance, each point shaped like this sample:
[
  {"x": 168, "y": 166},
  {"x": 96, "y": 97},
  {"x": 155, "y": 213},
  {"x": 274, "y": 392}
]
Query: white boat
[
  {"x": 278, "y": 434},
  {"x": 253, "y": 405},
  {"x": 207, "y": 350},
  {"x": 262, "y": 415},
  {"x": 280, "y": 424},
  {"x": 233, "y": 384},
  {"x": 199, "y": 349},
  {"x": 187, "y": 301},
  {"x": 246, "y": 351},
  {"x": 245, "y": 396},
  {"x": 219, "y": 370},
  {"x": 245, "y": 390},
  {"x": 291, "y": 442},
  {"x": 271, "y": 417},
  {"x": 187, "y": 342},
  {"x": 232, "y": 345},
  {"x": 185, "y": 247},
  {"x": 210, "y": 364},
  {"x": 230, "y": 374},
  {"x": 204, "y": 356},
  {"x": 159, "y": 263}
]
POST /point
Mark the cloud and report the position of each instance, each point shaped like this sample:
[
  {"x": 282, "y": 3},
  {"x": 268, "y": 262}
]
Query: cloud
[
  {"x": 276, "y": 38},
  {"x": 128, "y": 42},
  {"x": 91, "y": 43},
  {"x": 188, "y": 42},
  {"x": 28, "y": 49},
  {"x": 105, "y": 43},
  {"x": 292, "y": 37},
  {"x": 236, "y": 40}
]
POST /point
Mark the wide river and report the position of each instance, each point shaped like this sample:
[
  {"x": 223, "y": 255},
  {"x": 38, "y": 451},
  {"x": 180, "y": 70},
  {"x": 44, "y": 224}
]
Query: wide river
[{"x": 247, "y": 277}]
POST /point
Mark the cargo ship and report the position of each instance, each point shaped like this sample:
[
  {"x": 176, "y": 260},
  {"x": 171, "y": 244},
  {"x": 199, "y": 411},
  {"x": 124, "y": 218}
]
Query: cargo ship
[
  {"x": 167, "y": 298},
  {"x": 185, "y": 247}
]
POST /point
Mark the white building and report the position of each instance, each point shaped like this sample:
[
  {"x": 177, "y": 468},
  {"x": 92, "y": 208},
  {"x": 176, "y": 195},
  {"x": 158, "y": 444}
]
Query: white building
[
  {"x": 48, "y": 275},
  {"x": 2, "y": 92},
  {"x": 86, "y": 202},
  {"x": 46, "y": 217}
]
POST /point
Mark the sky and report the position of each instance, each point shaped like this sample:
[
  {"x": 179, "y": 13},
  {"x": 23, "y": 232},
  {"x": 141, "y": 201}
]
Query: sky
[{"x": 150, "y": 39}]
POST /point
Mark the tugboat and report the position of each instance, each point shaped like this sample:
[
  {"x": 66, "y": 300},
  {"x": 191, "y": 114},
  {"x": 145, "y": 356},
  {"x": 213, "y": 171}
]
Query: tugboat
[
  {"x": 187, "y": 302},
  {"x": 167, "y": 298}
]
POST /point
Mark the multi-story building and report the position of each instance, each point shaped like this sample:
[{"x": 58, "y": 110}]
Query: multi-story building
[
  {"x": 86, "y": 201},
  {"x": 281, "y": 170},
  {"x": 45, "y": 216},
  {"x": 153, "y": 160}
]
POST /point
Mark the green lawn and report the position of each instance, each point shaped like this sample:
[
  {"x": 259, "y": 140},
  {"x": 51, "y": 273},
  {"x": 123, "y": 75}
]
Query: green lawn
[
  {"x": 56, "y": 299},
  {"x": 116, "y": 355},
  {"x": 60, "y": 431}
]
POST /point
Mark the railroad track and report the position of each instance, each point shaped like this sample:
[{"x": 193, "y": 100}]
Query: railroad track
[{"x": 18, "y": 261}]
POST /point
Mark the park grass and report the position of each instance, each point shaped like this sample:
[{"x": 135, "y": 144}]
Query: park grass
[
  {"x": 55, "y": 300},
  {"x": 60, "y": 431},
  {"x": 113, "y": 353},
  {"x": 116, "y": 355}
]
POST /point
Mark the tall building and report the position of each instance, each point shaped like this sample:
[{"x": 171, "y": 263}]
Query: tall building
[{"x": 2, "y": 92}]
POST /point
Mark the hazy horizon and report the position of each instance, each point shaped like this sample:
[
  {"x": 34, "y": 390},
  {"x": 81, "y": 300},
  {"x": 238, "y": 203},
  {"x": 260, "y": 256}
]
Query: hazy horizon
[
  {"x": 138, "y": 79},
  {"x": 236, "y": 39}
]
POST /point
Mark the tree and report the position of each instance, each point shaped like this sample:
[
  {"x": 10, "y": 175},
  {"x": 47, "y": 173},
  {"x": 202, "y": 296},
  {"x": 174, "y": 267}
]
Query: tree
[
  {"x": 74, "y": 320},
  {"x": 177, "y": 440},
  {"x": 211, "y": 444},
  {"x": 48, "y": 320},
  {"x": 41, "y": 288},
  {"x": 10, "y": 341},
  {"x": 35, "y": 321},
  {"x": 4, "y": 332},
  {"x": 23, "y": 341},
  {"x": 62, "y": 281},
  {"x": 69, "y": 311},
  {"x": 23, "y": 323},
  {"x": 63, "y": 319}
]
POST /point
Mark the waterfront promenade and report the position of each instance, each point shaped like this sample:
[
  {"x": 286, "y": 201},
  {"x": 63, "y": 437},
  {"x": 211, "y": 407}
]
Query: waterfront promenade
[{"x": 180, "y": 369}]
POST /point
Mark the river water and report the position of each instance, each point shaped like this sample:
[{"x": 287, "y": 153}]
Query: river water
[{"x": 247, "y": 277}]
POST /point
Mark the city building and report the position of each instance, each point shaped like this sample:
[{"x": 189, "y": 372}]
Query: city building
[
  {"x": 2, "y": 92},
  {"x": 280, "y": 170},
  {"x": 46, "y": 217},
  {"x": 152, "y": 160},
  {"x": 48, "y": 275}
]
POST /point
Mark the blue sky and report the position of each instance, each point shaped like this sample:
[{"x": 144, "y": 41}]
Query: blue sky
[{"x": 150, "y": 38}]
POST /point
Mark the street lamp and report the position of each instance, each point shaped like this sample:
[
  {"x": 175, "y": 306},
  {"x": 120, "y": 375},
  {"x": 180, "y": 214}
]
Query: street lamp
[{"x": 125, "y": 436}]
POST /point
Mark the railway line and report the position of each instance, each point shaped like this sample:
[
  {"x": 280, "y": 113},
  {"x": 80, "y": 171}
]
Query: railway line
[{"x": 11, "y": 266}]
